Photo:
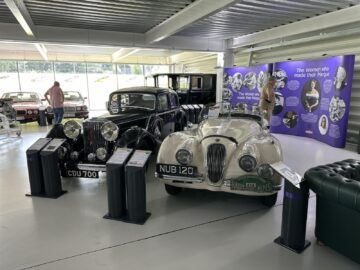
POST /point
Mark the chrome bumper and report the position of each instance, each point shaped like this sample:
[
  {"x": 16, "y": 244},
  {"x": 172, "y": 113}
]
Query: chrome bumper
[
  {"x": 88, "y": 167},
  {"x": 180, "y": 178}
]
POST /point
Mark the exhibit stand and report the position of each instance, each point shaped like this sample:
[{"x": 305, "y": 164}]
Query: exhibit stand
[
  {"x": 295, "y": 206},
  {"x": 43, "y": 168},
  {"x": 127, "y": 201}
]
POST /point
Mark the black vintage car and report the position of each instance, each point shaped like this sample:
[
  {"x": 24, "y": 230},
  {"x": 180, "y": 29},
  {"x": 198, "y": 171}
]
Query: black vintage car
[
  {"x": 192, "y": 88},
  {"x": 138, "y": 118}
]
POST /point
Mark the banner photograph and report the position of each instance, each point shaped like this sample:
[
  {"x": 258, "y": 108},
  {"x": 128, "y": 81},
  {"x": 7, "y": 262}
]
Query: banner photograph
[
  {"x": 312, "y": 98},
  {"x": 242, "y": 85}
]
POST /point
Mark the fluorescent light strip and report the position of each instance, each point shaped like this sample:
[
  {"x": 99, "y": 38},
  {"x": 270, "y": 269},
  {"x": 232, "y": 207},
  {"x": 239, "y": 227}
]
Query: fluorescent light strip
[{"x": 42, "y": 50}]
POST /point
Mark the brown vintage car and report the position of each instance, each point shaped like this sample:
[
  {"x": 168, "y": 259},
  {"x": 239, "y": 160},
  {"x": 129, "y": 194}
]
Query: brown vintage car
[{"x": 26, "y": 105}]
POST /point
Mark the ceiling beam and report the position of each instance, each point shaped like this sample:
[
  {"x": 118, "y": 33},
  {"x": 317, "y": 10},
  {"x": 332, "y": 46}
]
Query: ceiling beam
[
  {"x": 123, "y": 53},
  {"x": 318, "y": 23},
  {"x": 22, "y": 15},
  {"x": 71, "y": 36},
  {"x": 19, "y": 10},
  {"x": 192, "y": 13}
]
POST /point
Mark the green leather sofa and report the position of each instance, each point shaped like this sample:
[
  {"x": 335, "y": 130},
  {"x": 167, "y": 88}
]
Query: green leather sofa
[{"x": 337, "y": 188}]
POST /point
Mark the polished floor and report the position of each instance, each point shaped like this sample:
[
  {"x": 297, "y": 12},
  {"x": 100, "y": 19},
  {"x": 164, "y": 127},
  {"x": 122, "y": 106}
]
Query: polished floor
[{"x": 197, "y": 230}]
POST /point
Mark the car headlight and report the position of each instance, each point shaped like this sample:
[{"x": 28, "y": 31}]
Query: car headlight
[
  {"x": 247, "y": 163},
  {"x": 109, "y": 131},
  {"x": 35, "y": 111},
  {"x": 91, "y": 157},
  {"x": 78, "y": 108},
  {"x": 265, "y": 171},
  {"x": 74, "y": 155},
  {"x": 84, "y": 108},
  {"x": 72, "y": 129},
  {"x": 183, "y": 156},
  {"x": 49, "y": 109},
  {"x": 29, "y": 112},
  {"x": 101, "y": 153}
]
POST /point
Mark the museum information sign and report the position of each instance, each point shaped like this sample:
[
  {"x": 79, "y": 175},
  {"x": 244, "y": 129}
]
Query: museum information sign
[{"x": 313, "y": 98}]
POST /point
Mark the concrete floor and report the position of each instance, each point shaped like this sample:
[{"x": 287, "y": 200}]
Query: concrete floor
[{"x": 197, "y": 230}]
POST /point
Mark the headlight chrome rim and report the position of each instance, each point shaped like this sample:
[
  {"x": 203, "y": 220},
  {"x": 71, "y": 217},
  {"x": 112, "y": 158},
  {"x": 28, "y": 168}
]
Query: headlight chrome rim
[
  {"x": 265, "y": 171},
  {"x": 184, "y": 156},
  {"x": 101, "y": 153},
  {"x": 72, "y": 129},
  {"x": 247, "y": 163},
  {"x": 109, "y": 131}
]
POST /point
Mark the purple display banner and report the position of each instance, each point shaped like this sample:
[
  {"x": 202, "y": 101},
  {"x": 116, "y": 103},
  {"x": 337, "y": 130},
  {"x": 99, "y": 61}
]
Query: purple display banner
[
  {"x": 313, "y": 98},
  {"x": 243, "y": 84}
]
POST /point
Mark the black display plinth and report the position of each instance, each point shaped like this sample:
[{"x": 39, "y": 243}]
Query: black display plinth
[
  {"x": 126, "y": 186},
  {"x": 115, "y": 180},
  {"x": 36, "y": 178},
  {"x": 42, "y": 118},
  {"x": 136, "y": 187},
  {"x": 50, "y": 168},
  {"x": 295, "y": 206}
]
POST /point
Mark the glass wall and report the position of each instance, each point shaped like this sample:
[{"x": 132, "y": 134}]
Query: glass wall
[
  {"x": 36, "y": 76},
  {"x": 9, "y": 79},
  {"x": 93, "y": 80}
]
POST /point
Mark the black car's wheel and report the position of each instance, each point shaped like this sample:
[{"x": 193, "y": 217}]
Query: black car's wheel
[
  {"x": 171, "y": 190},
  {"x": 270, "y": 200}
]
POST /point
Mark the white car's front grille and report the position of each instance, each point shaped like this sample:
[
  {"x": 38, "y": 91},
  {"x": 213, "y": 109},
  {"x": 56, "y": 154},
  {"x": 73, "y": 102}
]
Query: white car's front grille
[
  {"x": 69, "y": 109},
  {"x": 216, "y": 161}
]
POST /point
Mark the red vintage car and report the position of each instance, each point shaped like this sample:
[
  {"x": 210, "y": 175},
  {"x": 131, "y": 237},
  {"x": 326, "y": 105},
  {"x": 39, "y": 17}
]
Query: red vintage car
[
  {"x": 74, "y": 107},
  {"x": 26, "y": 105}
]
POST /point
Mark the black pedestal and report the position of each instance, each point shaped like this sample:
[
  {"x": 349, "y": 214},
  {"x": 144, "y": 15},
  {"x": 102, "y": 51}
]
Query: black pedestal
[
  {"x": 51, "y": 170},
  {"x": 293, "y": 227},
  {"x": 42, "y": 118},
  {"x": 33, "y": 158},
  {"x": 115, "y": 180}
]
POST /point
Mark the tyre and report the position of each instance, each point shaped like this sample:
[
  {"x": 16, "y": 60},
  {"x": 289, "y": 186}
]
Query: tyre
[
  {"x": 270, "y": 200},
  {"x": 49, "y": 120},
  {"x": 171, "y": 190}
]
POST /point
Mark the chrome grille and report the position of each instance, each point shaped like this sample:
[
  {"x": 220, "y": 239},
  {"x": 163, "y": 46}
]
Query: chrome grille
[
  {"x": 69, "y": 109},
  {"x": 92, "y": 136},
  {"x": 216, "y": 161},
  {"x": 20, "y": 112}
]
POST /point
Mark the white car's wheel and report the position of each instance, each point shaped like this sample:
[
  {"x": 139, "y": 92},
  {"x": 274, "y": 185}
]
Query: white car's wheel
[
  {"x": 171, "y": 190},
  {"x": 270, "y": 200}
]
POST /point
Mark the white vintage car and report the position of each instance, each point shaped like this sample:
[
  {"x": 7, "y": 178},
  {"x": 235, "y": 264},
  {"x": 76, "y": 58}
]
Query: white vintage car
[{"x": 229, "y": 152}]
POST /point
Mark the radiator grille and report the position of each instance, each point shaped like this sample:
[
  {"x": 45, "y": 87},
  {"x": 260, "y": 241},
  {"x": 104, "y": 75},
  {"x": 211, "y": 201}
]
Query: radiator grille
[
  {"x": 92, "y": 136},
  {"x": 216, "y": 161}
]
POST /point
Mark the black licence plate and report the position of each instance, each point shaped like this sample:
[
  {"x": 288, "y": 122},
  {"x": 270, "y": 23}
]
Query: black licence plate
[
  {"x": 176, "y": 170},
  {"x": 80, "y": 173}
]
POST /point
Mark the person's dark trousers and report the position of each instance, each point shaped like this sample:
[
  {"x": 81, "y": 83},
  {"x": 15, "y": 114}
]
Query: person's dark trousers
[{"x": 58, "y": 115}]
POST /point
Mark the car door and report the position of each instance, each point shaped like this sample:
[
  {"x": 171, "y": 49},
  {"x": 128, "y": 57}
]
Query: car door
[{"x": 165, "y": 112}]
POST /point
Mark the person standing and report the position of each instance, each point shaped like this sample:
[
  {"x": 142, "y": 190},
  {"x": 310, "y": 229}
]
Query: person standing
[
  {"x": 55, "y": 96},
  {"x": 267, "y": 98}
]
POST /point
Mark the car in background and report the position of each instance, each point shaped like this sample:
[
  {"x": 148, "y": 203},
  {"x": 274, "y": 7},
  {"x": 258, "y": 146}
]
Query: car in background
[
  {"x": 26, "y": 104},
  {"x": 74, "y": 107},
  {"x": 230, "y": 151},
  {"x": 138, "y": 118},
  {"x": 192, "y": 88}
]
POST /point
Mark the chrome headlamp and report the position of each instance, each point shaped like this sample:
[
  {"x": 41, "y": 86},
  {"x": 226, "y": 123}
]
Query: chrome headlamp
[
  {"x": 29, "y": 112},
  {"x": 247, "y": 163},
  {"x": 74, "y": 155},
  {"x": 265, "y": 171},
  {"x": 62, "y": 152},
  {"x": 72, "y": 129},
  {"x": 109, "y": 131},
  {"x": 101, "y": 153},
  {"x": 183, "y": 156},
  {"x": 78, "y": 108}
]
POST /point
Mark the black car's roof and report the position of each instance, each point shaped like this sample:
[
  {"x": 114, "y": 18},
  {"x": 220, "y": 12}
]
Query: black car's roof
[{"x": 144, "y": 89}]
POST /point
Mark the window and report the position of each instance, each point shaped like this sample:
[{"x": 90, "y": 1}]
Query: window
[
  {"x": 174, "y": 100},
  {"x": 207, "y": 82},
  {"x": 163, "y": 102},
  {"x": 196, "y": 82},
  {"x": 72, "y": 96},
  {"x": 130, "y": 75},
  {"x": 163, "y": 81},
  {"x": 149, "y": 81},
  {"x": 36, "y": 76},
  {"x": 9, "y": 79},
  {"x": 184, "y": 83}
]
